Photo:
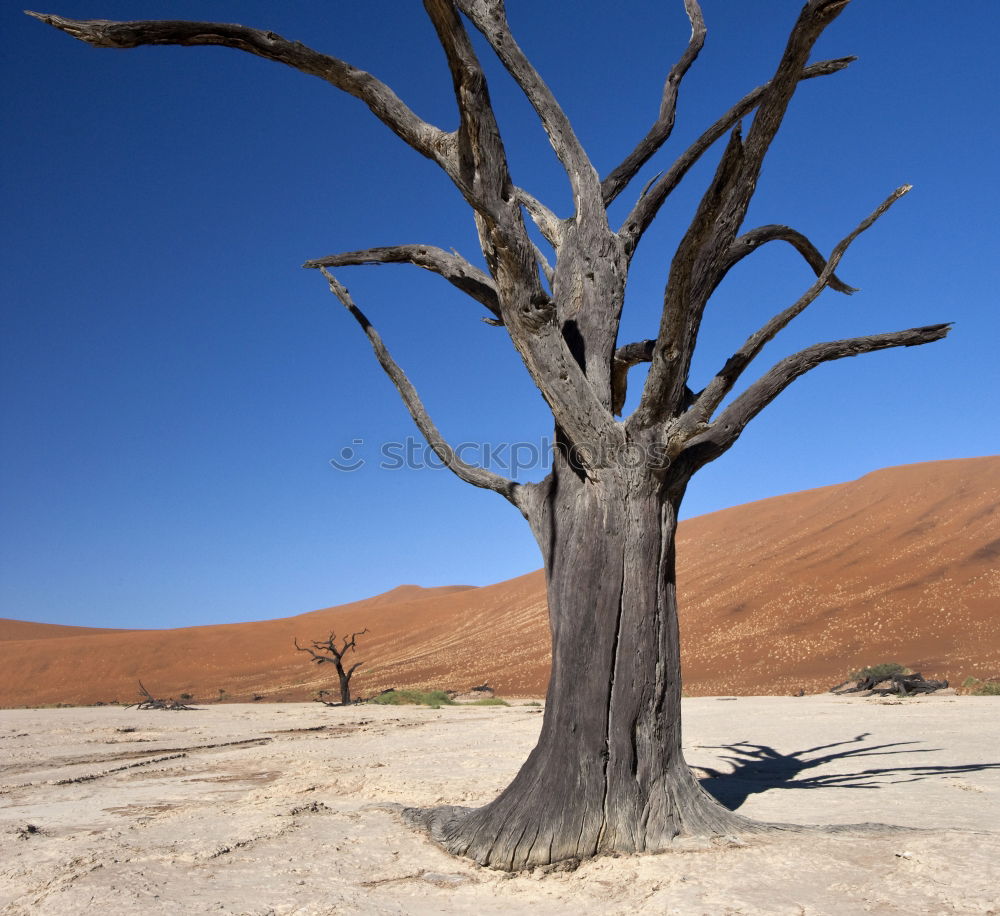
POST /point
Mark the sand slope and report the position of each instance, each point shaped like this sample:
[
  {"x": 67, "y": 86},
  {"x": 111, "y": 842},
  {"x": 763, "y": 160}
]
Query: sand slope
[{"x": 776, "y": 596}]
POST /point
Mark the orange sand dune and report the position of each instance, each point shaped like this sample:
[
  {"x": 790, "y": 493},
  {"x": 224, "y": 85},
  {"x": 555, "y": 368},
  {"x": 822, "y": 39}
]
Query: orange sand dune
[
  {"x": 25, "y": 629},
  {"x": 784, "y": 594}
]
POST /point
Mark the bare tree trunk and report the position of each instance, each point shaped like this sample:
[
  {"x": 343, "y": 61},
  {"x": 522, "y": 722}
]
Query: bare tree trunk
[
  {"x": 608, "y": 773},
  {"x": 345, "y": 685}
]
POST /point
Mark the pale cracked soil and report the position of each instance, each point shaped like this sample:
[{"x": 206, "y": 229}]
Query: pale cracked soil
[{"x": 287, "y": 809}]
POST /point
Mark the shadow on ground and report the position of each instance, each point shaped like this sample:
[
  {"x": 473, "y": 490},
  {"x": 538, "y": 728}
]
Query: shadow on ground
[{"x": 757, "y": 768}]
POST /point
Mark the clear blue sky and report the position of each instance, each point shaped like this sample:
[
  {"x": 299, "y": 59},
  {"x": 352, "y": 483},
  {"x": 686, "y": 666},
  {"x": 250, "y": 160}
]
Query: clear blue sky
[{"x": 174, "y": 385}]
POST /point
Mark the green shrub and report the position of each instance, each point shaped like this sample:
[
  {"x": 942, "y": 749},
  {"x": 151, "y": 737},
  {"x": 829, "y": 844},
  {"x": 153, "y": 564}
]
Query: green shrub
[
  {"x": 433, "y": 698},
  {"x": 879, "y": 672},
  {"x": 488, "y": 701},
  {"x": 533, "y": 703},
  {"x": 988, "y": 689}
]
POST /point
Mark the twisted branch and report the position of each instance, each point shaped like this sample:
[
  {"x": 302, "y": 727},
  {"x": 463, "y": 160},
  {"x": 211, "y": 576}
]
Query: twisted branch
[
  {"x": 750, "y": 241},
  {"x": 700, "y": 261},
  {"x": 489, "y": 17},
  {"x": 723, "y": 382},
  {"x": 619, "y": 177},
  {"x": 478, "y": 477},
  {"x": 455, "y": 269},
  {"x": 652, "y": 198},
  {"x": 426, "y": 139},
  {"x": 734, "y": 419}
]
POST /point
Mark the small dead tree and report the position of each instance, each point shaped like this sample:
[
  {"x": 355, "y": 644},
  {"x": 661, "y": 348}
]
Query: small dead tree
[{"x": 326, "y": 650}]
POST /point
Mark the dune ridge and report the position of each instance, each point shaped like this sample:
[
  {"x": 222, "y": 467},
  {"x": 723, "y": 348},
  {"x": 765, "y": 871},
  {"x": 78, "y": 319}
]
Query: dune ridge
[{"x": 776, "y": 596}]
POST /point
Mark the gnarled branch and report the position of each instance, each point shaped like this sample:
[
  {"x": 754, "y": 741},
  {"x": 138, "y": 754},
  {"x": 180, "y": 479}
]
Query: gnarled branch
[
  {"x": 725, "y": 430},
  {"x": 489, "y": 17},
  {"x": 688, "y": 288},
  {"x": 333, "y": 653},
  {"x": 624, "y": 359},
  {"x": 479, "y": 477},
  {"x": 723, "y": 382},
  {"x": 455, "y": 269},
  {"x": 473, "y": 157},
  {"x": 484, "y": 171},
  {"x": 482, "y": 168},
  {"x": 652, "y": 198},
  {"x": 528, "y": 311},
  {"x": 816, "y": 15},
  {"x": 699, "y": 263},
  {"x": 380, "y": 99},
  {"x": 618, "y": 178}
]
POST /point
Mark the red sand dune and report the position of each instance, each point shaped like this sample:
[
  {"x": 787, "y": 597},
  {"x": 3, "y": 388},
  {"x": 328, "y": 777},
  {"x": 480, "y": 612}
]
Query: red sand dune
[{"x": 784, "y": 594}]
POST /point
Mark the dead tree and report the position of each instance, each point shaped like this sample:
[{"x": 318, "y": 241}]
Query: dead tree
[
  {"x": 327, "y": 650},
  {"x": 607, "y": 774},
  {"x": 905, "y": 685},
  {"x": 148, "y": 701}
]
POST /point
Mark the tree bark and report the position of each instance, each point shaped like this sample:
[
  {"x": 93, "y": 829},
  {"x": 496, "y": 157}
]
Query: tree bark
[
  {"x": 608, "y": 773},
  {"x": 345, "y": 685}
]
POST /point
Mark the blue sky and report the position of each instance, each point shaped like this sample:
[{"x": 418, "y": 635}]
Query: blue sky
[{"x": 174, "y": 385}]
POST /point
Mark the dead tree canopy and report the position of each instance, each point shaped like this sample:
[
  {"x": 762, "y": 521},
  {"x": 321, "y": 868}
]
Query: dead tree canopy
[
  {"x": 327, "y": 650},
  {"x": 608, "y": 774}
]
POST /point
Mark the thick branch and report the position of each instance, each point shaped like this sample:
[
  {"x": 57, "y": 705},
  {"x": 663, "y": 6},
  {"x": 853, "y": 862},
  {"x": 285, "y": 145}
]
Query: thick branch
[
  {"x": 474, "y": 158},
  {"x": 528, "y": 311},
  {"x": 716, "y": 390},
  {"x": 483, "y": 167},
  {"x": 489, "y": 17},
  {"x": 479, "y": 477},
  {"x": 380, "y": 99},
  {"x": 816, "y": 15},
  {"x": 650, "y": 201},
  {"x": 686, "y": 295},
  {"x": 483, "y": 172},
  {"x": 734, "y": 419},
  {"x": 456, "y": 270},
  {"x": 546, "y": 221},
  {"x": 624, "y": 359},
  {"x": 699, "y": 263},
  {"x": 658, "y": 134}
]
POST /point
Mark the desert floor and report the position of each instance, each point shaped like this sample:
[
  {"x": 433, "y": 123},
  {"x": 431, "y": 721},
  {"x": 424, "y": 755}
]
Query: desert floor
[{"x": 285, "y": 809}]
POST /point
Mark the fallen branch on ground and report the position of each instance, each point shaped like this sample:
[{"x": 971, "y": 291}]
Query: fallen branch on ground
[{"x": 150, "y": 702}]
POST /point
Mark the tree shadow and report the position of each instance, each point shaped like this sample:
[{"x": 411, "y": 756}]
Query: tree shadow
[{"x": 757, "y": 768}]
